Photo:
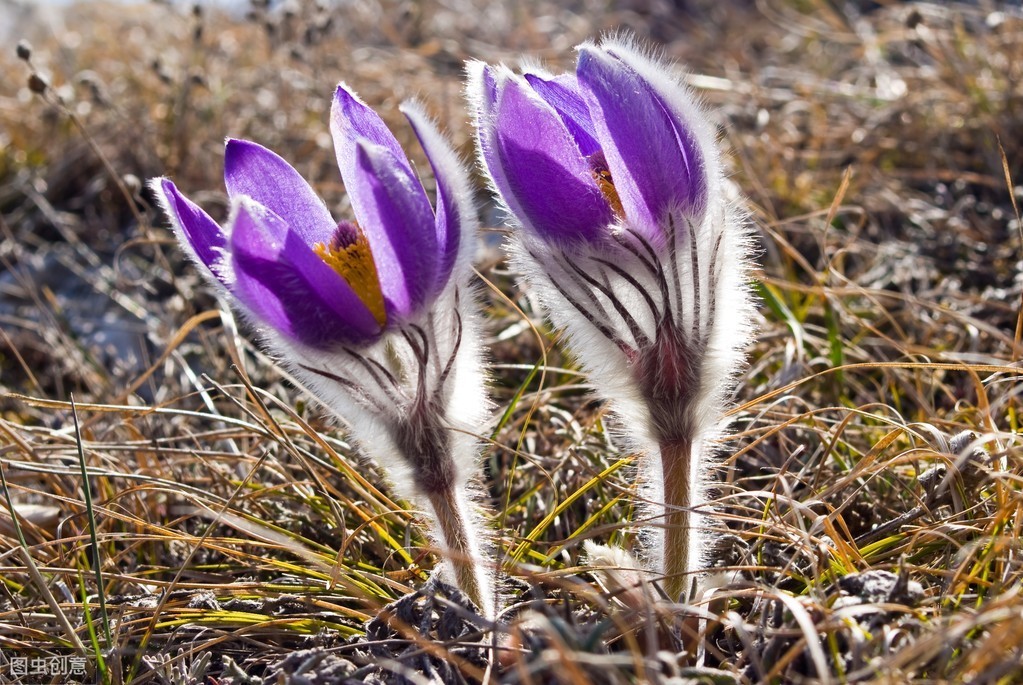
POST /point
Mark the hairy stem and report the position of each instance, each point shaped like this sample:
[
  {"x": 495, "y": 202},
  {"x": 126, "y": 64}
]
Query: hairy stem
[
  {"x": 676, "y": 471},
  {"x": 460, "y": 548}
]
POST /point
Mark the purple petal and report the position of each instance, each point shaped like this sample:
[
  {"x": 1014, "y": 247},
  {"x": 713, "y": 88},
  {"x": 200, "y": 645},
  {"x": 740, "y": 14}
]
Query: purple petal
[
  {"x": 653, "y": 159},
  {"x": 281, "y": 280},
  {"x": 451, "y": 185},
  {"x": 551, "y": 185},
  {"x": 253, "y": 171},
  {"x": 398, "y": 223},
  {"x": 195, "y": 228},
  {"x": 483, "y": 89},
  {"x": 351, "y": 120},
  {"x": 489, "y": 86},
  {"x": 562, "y": 93}
]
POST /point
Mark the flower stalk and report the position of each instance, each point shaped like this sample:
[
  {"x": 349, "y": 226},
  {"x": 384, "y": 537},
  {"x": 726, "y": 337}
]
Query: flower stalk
[{"x": 676, "y": 464}]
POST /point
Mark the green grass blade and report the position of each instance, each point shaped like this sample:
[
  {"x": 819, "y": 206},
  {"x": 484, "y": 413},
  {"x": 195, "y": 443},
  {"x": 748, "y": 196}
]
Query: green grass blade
[{"x": 93, "y": 537}]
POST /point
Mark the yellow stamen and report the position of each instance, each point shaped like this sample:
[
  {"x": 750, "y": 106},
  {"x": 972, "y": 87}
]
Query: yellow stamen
[
  {"x": 607, "y": 187},
  {"x": 355, "y": 264}
]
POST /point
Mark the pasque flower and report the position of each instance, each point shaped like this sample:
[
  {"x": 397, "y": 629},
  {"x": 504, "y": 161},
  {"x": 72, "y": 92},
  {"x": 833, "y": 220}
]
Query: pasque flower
[
  {"x": 375, "y": 316},
  {"x": 635, "y": 249}
]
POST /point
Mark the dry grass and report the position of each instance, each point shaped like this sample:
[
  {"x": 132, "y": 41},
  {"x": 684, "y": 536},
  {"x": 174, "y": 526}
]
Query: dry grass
[{"x": 221, "y": 521}]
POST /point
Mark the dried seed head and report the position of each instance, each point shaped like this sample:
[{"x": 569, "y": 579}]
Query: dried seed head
[
  {"x": 37, "y": 84},
  {"x": 132, "y": 183},
  {"x": 24, "y": 50}
]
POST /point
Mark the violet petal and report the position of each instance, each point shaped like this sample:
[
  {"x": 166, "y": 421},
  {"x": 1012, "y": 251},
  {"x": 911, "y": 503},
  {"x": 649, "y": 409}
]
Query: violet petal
[
  {"x": 281, "y": 280},
  {"x": 550, "y": 180},
  {"x": 562, "y": 93},
  {"x": 195, "y": 227},
  {"x": 351, "y": 120},
  {"x": 253, "y": 171},
  {"x": 449, "y": 177},
  {"x": 397, "y": 221},
  {"x": 388, "y": 201},
  {"x": 483, "y": 80},
  {"x": 655, "y": 163}
]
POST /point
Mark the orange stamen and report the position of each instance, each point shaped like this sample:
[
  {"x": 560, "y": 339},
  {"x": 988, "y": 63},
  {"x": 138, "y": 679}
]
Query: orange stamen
[
  {"x": 607, "y": 188},
  {"x": 354, "y": 263}
]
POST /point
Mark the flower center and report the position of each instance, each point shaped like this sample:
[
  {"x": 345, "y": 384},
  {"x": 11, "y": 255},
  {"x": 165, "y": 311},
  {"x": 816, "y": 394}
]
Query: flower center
[
  {"x": 602, "y": 175},
  {"x": 350, "y": 256}
]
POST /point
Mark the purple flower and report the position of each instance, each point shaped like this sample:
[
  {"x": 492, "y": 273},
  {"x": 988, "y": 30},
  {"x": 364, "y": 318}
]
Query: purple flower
[
  {"x": 574, "y": 154},
  {"x": 635, "y": 248},
  {"x": 317, "y": 281},
  {"x": 376, "y": 316}
]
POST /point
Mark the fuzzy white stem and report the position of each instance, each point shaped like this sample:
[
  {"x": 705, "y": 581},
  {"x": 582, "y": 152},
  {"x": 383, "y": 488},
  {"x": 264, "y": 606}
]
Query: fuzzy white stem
[
  {"x": 461, "y": 548},
  {"x": 678, "y": 534}
]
